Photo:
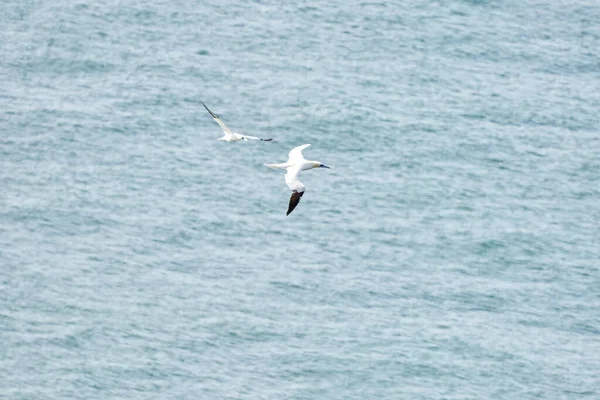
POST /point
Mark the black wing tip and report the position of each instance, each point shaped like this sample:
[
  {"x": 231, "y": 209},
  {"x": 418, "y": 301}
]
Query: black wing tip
[
  {"x": 267, "y": 140},
  {"x": 294, "y": 200},
  {"x": 210, "y": 112}
]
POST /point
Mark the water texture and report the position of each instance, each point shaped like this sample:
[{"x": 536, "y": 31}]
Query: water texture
[{"x": 452, "y": 252}]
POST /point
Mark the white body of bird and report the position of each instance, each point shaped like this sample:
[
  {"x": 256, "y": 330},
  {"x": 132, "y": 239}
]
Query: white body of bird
[{"x": 295, "y": 164}]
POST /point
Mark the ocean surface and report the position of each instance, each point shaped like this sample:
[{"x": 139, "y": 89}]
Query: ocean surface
[{"x": 452, "y": 251}]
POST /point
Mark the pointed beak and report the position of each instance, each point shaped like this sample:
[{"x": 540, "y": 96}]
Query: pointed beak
[{"x": 324, "y": 166}]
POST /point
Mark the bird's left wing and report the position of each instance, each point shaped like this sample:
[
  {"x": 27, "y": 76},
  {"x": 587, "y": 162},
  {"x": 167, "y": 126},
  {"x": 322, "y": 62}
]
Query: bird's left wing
[
  {"x": 295, "y": 154},
  {"x": 219, "y": 121}
]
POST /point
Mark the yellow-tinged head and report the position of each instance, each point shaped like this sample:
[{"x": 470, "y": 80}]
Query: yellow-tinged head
[{"x": 313, "y": 164}]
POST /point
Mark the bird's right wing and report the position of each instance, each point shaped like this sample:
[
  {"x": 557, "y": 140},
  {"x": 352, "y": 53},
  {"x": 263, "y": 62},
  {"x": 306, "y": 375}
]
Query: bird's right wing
[
  {"x": 294, "y": 200},
  {"x": 295, "y": 154},
  {"x": 297, "y": 187},
  {"x": 219, "y": 121},
  {"x": 291, "y": 178},
  {"x": 255, "y": 138}
]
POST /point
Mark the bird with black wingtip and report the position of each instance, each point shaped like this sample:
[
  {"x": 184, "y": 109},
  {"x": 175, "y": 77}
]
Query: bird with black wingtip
[
  {"x": 228, "y": 135},
  {"x": 295, "y": 164}
]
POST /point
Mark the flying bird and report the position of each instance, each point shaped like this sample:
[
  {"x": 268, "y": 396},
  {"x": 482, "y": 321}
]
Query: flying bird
[
  {"x": 294, "y": 165},
  {"x": 230, "y": 136}
]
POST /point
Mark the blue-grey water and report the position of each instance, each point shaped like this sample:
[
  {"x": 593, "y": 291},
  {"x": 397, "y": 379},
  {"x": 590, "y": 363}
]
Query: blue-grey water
[{"x": 453, "y": 251}]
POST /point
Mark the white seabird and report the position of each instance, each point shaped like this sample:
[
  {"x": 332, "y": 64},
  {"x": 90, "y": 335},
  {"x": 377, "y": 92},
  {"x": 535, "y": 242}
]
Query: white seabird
[
  {"x": 294, "y": 165},
  {"x": 230, "y": 136}
]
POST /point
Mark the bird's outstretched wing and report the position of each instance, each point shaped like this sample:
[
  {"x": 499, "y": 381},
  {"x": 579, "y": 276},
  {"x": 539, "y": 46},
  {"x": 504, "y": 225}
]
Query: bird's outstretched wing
[
  {"x": 291, "y": 178},
  {"x": 255, "y": 138},
  {"x": 297, "y": 187},
  {"x": 219, "y": 121},
  {"x": 295, "y": 154},
  {"x": 294, "y": 200}
]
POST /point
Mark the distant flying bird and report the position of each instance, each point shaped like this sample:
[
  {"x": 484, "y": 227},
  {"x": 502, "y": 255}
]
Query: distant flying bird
[
  {"x": 294, "y": 165},
  {"x": 230, "y": 136}
]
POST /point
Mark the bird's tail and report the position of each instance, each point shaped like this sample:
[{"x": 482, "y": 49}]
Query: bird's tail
[{"x": 277, "y": 166}]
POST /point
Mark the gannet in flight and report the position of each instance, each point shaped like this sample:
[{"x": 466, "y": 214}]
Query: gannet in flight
[
  {"x": 230, "y": 136},
  {"x": 294, "y": 165}
]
